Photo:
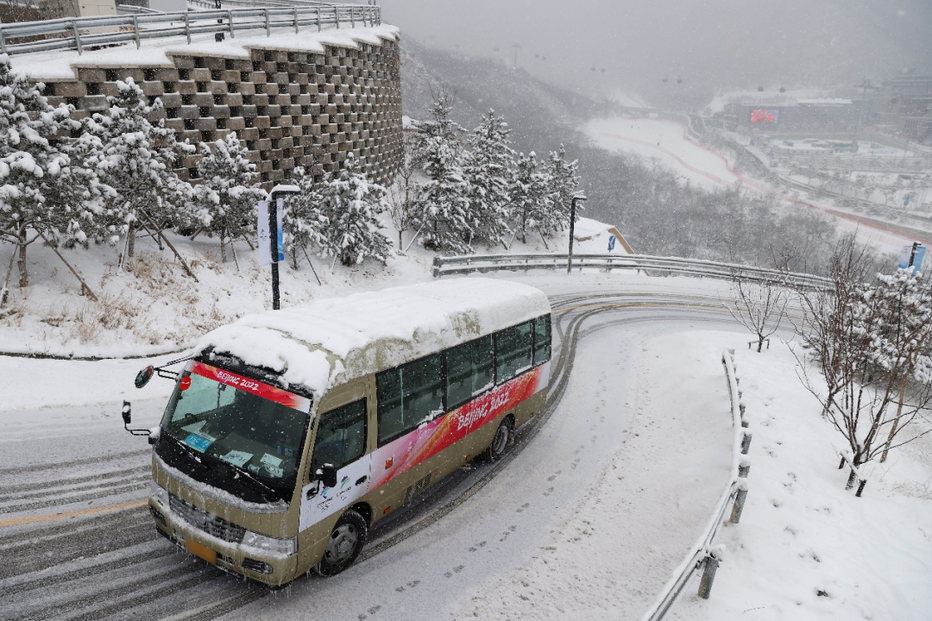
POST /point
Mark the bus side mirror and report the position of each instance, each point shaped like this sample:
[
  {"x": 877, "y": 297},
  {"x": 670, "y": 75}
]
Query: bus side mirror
[
  {"x": 143, "y": 377},
  {"x": 127, "y": 419},
  {"x": 327, "y": 475}
]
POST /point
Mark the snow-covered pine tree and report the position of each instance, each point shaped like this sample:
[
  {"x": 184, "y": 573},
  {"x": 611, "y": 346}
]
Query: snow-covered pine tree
[
  {"x": 488, "y": 171},
  {"x": 41, "y": 194},
  {"x": 303, "y": 221},
  {"x": 352, "y": 205},
  {"x": 563, "y": 179},
  {"x": 228, "y": 190},
  {"x": 136, "y": 161},
  {"x": 530, "y": 196},
  {"x": 442, "y": 214}
]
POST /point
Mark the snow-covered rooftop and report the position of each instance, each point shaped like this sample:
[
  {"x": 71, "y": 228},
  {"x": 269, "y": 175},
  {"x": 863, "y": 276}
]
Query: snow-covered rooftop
[
  {"x": 335, "y": 340},
  {"x": 824, "y": 102}
]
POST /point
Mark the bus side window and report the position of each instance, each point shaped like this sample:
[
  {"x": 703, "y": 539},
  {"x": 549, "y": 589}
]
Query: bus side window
[
  {"x": 541, "y": 340},
  {"x": 513, "y": 348},
  {"x": 469, "y": 370},
  {"x": 408, "y": 396},
  {"x": 341, "y": 436}
]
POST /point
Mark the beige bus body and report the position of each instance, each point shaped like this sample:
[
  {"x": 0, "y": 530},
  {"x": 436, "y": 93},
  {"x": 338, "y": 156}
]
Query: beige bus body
[{"x": 284, "y": 539}]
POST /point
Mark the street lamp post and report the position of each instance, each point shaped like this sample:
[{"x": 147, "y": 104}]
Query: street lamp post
[
  {"x": 569, "y": 257},
  {"x": 279, "y": 191}
]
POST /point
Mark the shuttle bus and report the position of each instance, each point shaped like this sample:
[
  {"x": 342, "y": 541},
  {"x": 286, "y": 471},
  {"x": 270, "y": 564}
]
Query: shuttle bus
[{"x": 290, "y": 433}]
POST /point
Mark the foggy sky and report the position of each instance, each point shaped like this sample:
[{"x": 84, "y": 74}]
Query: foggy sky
[{"x": 704, "y": 43}]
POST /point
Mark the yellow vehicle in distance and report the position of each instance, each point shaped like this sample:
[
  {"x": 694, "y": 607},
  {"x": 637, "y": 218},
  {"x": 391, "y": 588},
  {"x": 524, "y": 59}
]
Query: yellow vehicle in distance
[{"x": 290, "y": 433}]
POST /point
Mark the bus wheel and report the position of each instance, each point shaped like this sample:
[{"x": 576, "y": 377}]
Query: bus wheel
[
  {"x": 500, "y": 440},
  {"x": 346, "y": 541}
]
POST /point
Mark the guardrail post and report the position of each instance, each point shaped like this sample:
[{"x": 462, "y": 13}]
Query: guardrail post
[
  {"x": 230, "y": 21},
  {"x": 318, "y": 18},
  {"x": 744, "y": 467},
  {"x": 136, "y": 30},
  {"x": 745, "y": 442},
  {"x": 336, "y": 14},
  {"x": 2, "y": 42},
  {"x": 77, "y": 36},
  {"x": 268, "y": 26},
  {"x": 437, "y": 263},
  {"x": 740, "y": 497},
  {"x": 708, "y": 576},
  {"x": 187, "y": 27},
  {"x": 296, "y": 20},
  {"x": 352, "y": 16}
]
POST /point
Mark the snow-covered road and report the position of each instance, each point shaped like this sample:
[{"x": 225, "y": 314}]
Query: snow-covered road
[{"x": 591, "y": 515}]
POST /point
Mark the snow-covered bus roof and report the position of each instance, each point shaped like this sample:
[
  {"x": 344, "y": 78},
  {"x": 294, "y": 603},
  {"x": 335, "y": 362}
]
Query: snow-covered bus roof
[{"x": 332, "y": 341}]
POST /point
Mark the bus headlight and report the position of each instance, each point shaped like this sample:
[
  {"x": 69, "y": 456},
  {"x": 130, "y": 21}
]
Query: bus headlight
[
  {"x": 158, "y": 493},
  {"x": 274, "y": 545}
]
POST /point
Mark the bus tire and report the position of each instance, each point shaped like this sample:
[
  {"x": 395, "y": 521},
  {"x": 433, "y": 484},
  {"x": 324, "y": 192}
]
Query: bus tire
[
  {"x": 346, "y": 541},
  {"x": 500, "y": 440}
]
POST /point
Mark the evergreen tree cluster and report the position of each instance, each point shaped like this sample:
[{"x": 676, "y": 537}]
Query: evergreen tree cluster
[
  {"x": 464, "y": 189},
  {"x": 112, "y": 176}
]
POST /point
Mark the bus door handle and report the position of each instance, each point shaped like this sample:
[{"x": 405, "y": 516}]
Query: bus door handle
[{"x": 361, "y": 479}]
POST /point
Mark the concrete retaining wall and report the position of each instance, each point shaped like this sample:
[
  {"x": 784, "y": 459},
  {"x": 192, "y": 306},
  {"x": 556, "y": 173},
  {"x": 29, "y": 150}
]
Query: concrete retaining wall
[{"x": 286, "y": 106}]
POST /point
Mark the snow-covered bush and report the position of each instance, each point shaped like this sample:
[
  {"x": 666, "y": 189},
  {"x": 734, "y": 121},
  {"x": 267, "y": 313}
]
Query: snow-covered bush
[
  {"x": 352, "y": 205},
  {"x": 531, "y": 200},
  {"x": 135, "y": 160},
  {"x": 489, "y": 172},
  {"x": 43, "y": 194},
  {"x": 304, "y": 223},
  {"x": 442, "y": 212},
  {"x": 227, "y": 195},
  {"x": 563, "y": 180}
]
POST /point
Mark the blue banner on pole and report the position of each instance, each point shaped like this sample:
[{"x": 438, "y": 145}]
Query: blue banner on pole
[{"x": 917, "y": 261}]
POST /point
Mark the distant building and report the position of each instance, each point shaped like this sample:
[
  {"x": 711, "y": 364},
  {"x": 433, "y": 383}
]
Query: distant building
[
  {"x": 809, "y": 116},
  {"x": 903, "y": 105}
]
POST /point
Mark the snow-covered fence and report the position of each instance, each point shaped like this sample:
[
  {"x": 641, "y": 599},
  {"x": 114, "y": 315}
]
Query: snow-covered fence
[
  {"x": 446, "y": 266},
  {"x": 705, "y": 555},
  {"x": 80, "y": 33}
]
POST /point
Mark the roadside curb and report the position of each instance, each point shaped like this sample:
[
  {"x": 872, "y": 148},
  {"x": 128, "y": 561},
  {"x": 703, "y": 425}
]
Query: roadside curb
[{"x": 173, "y": 350}]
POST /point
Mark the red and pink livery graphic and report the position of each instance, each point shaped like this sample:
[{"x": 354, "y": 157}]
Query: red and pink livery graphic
[
  {"x": 410, "y": 450},
  {"x": 288, "y": 399}
]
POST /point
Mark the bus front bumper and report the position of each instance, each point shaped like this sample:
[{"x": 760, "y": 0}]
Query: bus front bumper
[{"x": 254, "y": 563}]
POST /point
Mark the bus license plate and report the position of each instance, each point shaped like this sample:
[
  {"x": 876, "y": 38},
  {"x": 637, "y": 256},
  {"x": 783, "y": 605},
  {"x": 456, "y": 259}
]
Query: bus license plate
[{"x": 200, "y": 551}]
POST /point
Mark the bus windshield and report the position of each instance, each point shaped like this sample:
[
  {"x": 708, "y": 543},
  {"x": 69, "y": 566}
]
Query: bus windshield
[{"x": 241, "y": 423}]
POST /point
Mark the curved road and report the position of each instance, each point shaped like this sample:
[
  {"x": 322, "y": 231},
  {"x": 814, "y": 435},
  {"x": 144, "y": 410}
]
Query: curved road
[{"x": 78, "y": 542}]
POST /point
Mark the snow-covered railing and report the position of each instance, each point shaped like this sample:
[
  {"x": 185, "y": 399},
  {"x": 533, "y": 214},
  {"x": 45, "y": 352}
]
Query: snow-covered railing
[
  {"x": 94, "y": 32},
  {"x": 445, "y": 266},
  {"x": 705, "y": 555}
]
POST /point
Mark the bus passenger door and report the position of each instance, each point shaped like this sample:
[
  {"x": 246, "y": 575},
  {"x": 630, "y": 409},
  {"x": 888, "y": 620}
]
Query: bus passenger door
[{"x": 341, "y": 442}]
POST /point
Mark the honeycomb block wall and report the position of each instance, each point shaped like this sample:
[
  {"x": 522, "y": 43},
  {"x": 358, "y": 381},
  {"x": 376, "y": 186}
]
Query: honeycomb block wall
[{"x": 287, "y": 107}]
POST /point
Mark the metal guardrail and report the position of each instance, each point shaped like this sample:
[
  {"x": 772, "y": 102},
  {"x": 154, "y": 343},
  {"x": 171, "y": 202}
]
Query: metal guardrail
[
  {"x": 95, "y": 32},
  {"x": 445, "y": 266},
  {"x": 703, "y": 553}
]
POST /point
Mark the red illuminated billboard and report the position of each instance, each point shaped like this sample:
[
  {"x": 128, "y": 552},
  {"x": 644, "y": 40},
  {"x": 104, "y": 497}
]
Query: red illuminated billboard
[{"x": 765, "y": 115}]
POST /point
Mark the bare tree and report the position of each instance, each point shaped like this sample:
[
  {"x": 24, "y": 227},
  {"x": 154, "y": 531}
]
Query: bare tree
[
  {"x": 759, "y": 306},
  {"x": 868, "y": 340},
  {"x": 405, "y": 193}
]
